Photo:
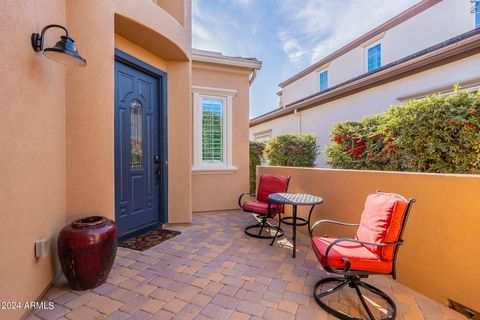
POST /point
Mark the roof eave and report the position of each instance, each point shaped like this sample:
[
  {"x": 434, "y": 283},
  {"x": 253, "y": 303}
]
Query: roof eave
[{"x": 228, "y": 61}]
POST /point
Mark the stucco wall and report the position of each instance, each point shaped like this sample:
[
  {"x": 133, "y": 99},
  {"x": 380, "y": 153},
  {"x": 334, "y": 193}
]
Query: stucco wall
[
  {"x": 32, "y": 143},
  {"x": 89, "y": 113},
  {"x": 439, "y": 257},
  {"x": 132, "y": 38},
  {"x": 319, "y": 120},
  {"x": 179, "y": 142},
  {"x": 56, "y": 128},
  {"x": 90, "y": 99},
  {"x": 213, "y": 192}
]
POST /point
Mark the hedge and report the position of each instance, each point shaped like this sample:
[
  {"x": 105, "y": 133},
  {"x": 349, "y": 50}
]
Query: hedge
[
  {"x": 437, "y": 134},
  {"x": 255, "y": 156},
  {"x": 292, "y": 150}
]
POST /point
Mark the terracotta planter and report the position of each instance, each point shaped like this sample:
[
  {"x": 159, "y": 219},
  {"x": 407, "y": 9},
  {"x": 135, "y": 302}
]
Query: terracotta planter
[{"x": 86, "y": 249}]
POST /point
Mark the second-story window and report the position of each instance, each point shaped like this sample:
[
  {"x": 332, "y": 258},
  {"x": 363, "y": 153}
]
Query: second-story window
[
  {"x": 477, "y": 14},
  {"x": 374, "y": 57},
  {"x": 323, "y": 80}
]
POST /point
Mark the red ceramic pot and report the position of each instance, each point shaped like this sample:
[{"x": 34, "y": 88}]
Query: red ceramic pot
[{"x": 86, "y": 249}]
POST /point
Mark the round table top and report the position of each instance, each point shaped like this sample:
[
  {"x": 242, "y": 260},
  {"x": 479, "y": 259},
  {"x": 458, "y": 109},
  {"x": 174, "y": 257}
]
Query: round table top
[{"x": 295, "y": 198}]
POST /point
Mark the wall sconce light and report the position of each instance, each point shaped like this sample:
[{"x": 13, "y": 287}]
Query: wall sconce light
[{"x": 64, "y": 50}]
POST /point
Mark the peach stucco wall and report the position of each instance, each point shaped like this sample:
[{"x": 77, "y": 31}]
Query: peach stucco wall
[
  {"x": 212, "y": 191},
  {"x": 440, "y": 255},
  {"x": 56, "y": 125},
  {"x": 32, "y": 156},
  {"x": 89, "y": 112},
  {"x": 180, "y": 142}
]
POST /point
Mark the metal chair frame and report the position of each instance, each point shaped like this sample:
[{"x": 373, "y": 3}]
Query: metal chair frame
[
  {"x": 263, "y": 223},
  {"x": 353, "y": 278}
]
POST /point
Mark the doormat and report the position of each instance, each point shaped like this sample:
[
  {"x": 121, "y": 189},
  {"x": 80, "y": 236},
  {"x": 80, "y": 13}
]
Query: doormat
[{"x": 147, "y": 240}]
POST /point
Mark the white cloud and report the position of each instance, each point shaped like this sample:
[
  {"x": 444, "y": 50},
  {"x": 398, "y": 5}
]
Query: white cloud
[
  {"x": 292, "y": 48},
  {"x": 242, "y": 2},
  {"x": 319, "y": 27},
  {"x": 221, "y": 31}
]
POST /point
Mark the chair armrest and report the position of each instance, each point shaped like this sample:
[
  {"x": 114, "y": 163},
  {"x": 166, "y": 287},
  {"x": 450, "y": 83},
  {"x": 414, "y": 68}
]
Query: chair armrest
[
  {"x": 316, "y": 224},
  {"x": 242, "y": 195},
  {"x": 345, "y": 259}
]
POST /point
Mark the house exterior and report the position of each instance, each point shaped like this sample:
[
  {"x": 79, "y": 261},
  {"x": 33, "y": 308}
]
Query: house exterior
[
  {"x": 113, "y": 138},
  {"x": 221, "y": 81},
  {"x": 426, "y": 49}
]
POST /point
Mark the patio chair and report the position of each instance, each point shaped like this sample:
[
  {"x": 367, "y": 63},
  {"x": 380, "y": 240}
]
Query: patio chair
[
  {"x": 263, "y": 208},
  {"x": 373, "y": 251}
]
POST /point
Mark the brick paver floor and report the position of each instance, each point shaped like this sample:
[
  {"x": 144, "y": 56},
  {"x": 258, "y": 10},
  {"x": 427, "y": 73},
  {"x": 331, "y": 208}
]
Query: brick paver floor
[{"x": 214, "y": 271}]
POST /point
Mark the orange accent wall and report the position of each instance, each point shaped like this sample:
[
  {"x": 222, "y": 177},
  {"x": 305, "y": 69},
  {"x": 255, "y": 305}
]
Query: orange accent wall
[
  {"x": 440, "y": 255},
  {"x": 89, "y": 112},
  {"x": 32, "y": 156},
  {"x": 56, "y": 125}
]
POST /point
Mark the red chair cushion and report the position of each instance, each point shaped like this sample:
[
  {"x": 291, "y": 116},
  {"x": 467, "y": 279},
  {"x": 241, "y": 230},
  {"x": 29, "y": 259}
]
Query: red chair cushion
[
  {"x": 381, "y": 222},
  {"x": 269, "y": 184},
  {"x": 360, "y": 257},
  {"x": 393, "y": 232},
  {"x": 261, "y": 207}
]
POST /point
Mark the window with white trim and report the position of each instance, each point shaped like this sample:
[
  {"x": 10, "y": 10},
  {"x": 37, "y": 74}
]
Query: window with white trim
[
  {"x": 323, "y": 80},
  {"x": 212, "y": 115},
  {"x": 374, "y": 57}
]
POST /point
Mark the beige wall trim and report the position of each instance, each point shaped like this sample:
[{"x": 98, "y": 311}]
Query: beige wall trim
[
  {"x": 405, "y": 15},
  {"x": 214, "y": 91},
  {"x": 323, "y": 67},
  {"x": 214, "y": 170},
  {"x": 372, "y": 40},
  {"x": 218, "y": 58},
  {"x": 456, "y": 51}
]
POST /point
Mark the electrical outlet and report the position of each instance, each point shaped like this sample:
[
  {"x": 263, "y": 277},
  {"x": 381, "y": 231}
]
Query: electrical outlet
[{"x": 42, "y": 248}]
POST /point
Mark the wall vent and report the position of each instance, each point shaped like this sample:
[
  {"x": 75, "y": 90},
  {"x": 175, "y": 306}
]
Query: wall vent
[{"x": 467, "y": 312}]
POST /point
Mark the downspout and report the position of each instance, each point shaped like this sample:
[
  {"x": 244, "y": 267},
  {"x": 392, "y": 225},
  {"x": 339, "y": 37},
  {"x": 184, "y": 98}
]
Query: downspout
[
  {"x": 252, "y": 77},
  {"x": 299, "y": 120}
]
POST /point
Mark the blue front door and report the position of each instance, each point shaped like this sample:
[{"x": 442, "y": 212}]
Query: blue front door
[{"x": 137, "y": 149}]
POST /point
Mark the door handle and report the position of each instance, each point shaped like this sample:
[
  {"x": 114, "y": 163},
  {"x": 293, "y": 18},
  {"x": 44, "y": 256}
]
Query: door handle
[{"x": 157, "y": 170}]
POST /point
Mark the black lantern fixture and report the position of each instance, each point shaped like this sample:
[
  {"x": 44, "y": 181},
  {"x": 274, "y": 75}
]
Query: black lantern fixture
[{"x": 64, "y": 50}]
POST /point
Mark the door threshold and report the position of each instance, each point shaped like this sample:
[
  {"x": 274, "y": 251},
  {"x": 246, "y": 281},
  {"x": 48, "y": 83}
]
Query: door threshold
[{"x": 139, "y": 231}]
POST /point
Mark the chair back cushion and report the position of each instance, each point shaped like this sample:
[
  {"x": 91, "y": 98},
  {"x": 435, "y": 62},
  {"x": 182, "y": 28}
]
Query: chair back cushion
[
  {"x": 269, "y": 184},
  {"x": 381, "y": 222}
]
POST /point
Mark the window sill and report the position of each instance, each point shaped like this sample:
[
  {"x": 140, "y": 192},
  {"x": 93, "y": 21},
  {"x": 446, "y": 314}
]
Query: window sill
[{"x": 214, "y": 169}]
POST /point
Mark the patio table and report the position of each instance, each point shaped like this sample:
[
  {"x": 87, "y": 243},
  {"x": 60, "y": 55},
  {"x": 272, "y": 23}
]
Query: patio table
[{"x": 295, "y": 200}]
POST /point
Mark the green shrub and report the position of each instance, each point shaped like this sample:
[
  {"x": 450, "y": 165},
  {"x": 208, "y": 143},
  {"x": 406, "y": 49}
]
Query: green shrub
[
  {"x": 255, "y": 156},
  {"x": 436, "y": 134},
  {"x": 292, "y": 150}
]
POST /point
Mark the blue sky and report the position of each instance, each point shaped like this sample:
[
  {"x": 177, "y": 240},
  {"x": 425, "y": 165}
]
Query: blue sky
[{"x": 286, "y": 35}]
